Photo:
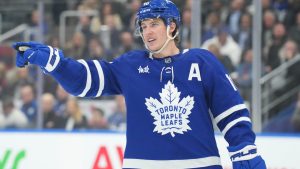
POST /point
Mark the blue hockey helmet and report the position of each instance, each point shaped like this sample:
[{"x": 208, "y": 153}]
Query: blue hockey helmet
[{"x": 164, "y": 9}]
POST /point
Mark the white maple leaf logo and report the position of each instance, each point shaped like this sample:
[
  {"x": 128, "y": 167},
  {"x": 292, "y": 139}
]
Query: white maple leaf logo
[{"x": 170, "y": 114}]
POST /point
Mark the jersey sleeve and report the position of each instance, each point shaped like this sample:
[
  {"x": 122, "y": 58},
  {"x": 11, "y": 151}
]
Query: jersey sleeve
[
  {"x": 82, "y": 78},
  {"x": 228, "y": 109}
]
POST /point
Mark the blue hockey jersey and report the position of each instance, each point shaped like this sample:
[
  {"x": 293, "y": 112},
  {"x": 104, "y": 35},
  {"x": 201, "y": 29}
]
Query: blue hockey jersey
[{"x": 168, "y": 101}]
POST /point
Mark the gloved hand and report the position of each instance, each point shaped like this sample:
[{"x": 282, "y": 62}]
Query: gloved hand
[
  {"x": 245, "y": 156},
  {"x": 44, "y": 56}
]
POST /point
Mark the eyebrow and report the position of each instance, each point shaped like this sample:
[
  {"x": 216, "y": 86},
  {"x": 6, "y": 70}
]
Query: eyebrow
[{"x": 152, "y": 21}]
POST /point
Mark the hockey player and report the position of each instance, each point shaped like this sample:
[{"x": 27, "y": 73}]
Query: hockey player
[{"x": 168, "y": 95}]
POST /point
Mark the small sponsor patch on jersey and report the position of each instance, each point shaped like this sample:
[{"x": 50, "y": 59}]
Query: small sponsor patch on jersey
[{"x": 144, "y": 69}]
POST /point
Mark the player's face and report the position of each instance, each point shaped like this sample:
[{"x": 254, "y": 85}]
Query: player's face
[{"x": 154, "y": 33}]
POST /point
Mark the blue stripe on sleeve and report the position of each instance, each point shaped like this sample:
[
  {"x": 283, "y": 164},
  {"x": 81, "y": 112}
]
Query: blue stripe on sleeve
[{"x": 71, "y": 75}]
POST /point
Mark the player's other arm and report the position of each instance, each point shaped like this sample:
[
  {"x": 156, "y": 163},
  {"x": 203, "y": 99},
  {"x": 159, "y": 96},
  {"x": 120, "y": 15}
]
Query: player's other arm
[
  {"x": 230, "y": 114},
  {"x": 79, "y": 78}
]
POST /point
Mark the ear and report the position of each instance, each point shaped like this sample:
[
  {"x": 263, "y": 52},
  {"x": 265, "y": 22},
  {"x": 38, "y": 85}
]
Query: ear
[{"x": 172, "y": 27}]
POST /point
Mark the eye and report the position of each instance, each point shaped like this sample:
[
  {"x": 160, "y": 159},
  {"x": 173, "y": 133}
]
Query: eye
[
  {"x": 143, "y": 27},
  {"x": 154, "y": 24}
]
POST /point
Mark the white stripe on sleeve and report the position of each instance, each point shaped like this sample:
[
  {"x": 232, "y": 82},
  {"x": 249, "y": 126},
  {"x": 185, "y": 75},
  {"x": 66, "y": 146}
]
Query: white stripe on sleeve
[
  {"x": 88, "y": 80},
  {"x": 53, "y": 56},
  {"x": 229, "y": 125},
  {"x": 101, "y": 77},
  {"x": 229, "y": 112}
]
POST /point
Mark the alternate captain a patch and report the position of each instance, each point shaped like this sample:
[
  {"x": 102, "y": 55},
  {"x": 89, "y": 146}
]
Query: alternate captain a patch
[{"x": 170, "y": 114}]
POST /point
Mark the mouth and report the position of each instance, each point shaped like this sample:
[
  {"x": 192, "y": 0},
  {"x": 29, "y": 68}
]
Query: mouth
[{"x": 150, "y": 40}]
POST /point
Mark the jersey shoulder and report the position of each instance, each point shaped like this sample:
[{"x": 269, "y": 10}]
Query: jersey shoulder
[
  {"x": 133, "y": 55},
  {"x": 205, "y": 58},
  {"x": 202, "y": 55}
]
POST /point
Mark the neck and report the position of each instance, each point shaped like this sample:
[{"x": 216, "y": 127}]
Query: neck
[{"x": 170, "y": 50}]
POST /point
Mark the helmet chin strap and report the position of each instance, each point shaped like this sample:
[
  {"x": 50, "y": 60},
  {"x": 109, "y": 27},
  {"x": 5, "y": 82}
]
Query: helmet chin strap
[{"x": 169, "y": 38}]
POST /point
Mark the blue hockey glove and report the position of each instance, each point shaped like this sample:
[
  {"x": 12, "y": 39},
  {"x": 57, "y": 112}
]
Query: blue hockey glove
[
  {"x": 245, "y": 156},
  {"x": 44, "y": 56}
]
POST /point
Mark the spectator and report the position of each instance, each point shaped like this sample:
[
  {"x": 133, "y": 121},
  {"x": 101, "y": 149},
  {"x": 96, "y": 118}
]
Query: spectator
[
  {"x": 3, "y": 81},
  {"x": 227, "y": 45},
  {"x": 11, "y": 117},
  {"x": 114, "y": 32},
  {"x": 117, "y": 120},
  {"x": 29, "y": 106},
  {"x": 244, "y": 75},
  {"x": 266, "y": 5},
  {"x": 292, "y": 52},
  {"x": 288, "y": 79},
  {"x": 225, "y": 60},
  {"x": 6, "y": 53},
  {"x": 97, "y": 120},
  {"x": 34, "y": 26},
  {"x": 296, "y": 116},
  {"x": 279, "y": 38},
  {"x": 75, "y": 119},
  {"x": 281, "y": 8},
  {"x": 185, "y": 29},
  {"x": 54, "y": 41},
  {"x": 61, "y": 100},
  {"x": 294, "y": 32},
  {"x": 237, "y": 8},
  {"x": 49, "y": 85},
  {"x": 56, "y": 9},
  {"x": 288, "y": 51},
  {"x": 89, "y": 5},
  {"x": 212, "y": 26},
  {"x": 90, "y": 26},
  {"x": 51, "y": 120},
  {"x": 108, "y": 17},
  {"x": 16, "y": 78},
  {"x": 96, "y": 50},
  {"x": 77, "y": 46},
  {"x": 188, "y": 3},
  {"x": 217, "y": 6},
  {"x": 129, "y": 17},
  {"x": 84, "y": 26},
  {"x": 127, "y": 43},
  {"x": 24, "y": 77},
  {"x": 107, "y": 9},
  {"x": 269, "y": 21},
  {"x": 244, "y": 36}
]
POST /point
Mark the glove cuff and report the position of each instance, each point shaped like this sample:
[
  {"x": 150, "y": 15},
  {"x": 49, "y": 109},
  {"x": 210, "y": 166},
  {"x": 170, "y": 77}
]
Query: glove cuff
[
  {"x": 53, "y": 60},
  {"x": 242, "y": 152}
]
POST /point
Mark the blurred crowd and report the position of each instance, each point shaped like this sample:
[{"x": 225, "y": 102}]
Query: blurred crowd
[
  {"x": 60, "y": 111},
  {"x": 226, "y": 32}
]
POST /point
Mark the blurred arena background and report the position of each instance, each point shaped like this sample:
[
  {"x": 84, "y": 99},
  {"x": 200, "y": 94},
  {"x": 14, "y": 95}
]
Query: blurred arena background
[{"x": 42, "y": 126}]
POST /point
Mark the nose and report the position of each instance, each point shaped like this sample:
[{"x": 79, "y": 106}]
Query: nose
[{"x": 147, "y": 31}]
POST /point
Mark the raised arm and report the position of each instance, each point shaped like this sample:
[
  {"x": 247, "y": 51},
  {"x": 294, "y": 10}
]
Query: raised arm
[{"x": 78, "y": 77}]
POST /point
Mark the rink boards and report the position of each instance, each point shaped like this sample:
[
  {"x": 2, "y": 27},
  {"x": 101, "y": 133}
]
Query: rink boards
[{"x": 104, "y": 150}]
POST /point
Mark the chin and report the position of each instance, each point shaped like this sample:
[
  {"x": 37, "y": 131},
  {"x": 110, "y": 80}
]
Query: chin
[{"x": 152, "y": 48}]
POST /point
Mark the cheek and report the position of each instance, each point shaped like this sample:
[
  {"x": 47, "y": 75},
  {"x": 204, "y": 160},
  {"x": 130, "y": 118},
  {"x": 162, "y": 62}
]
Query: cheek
[
  {"x": 162, "y": 33},
  {"x": 143, "y": 34}
]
